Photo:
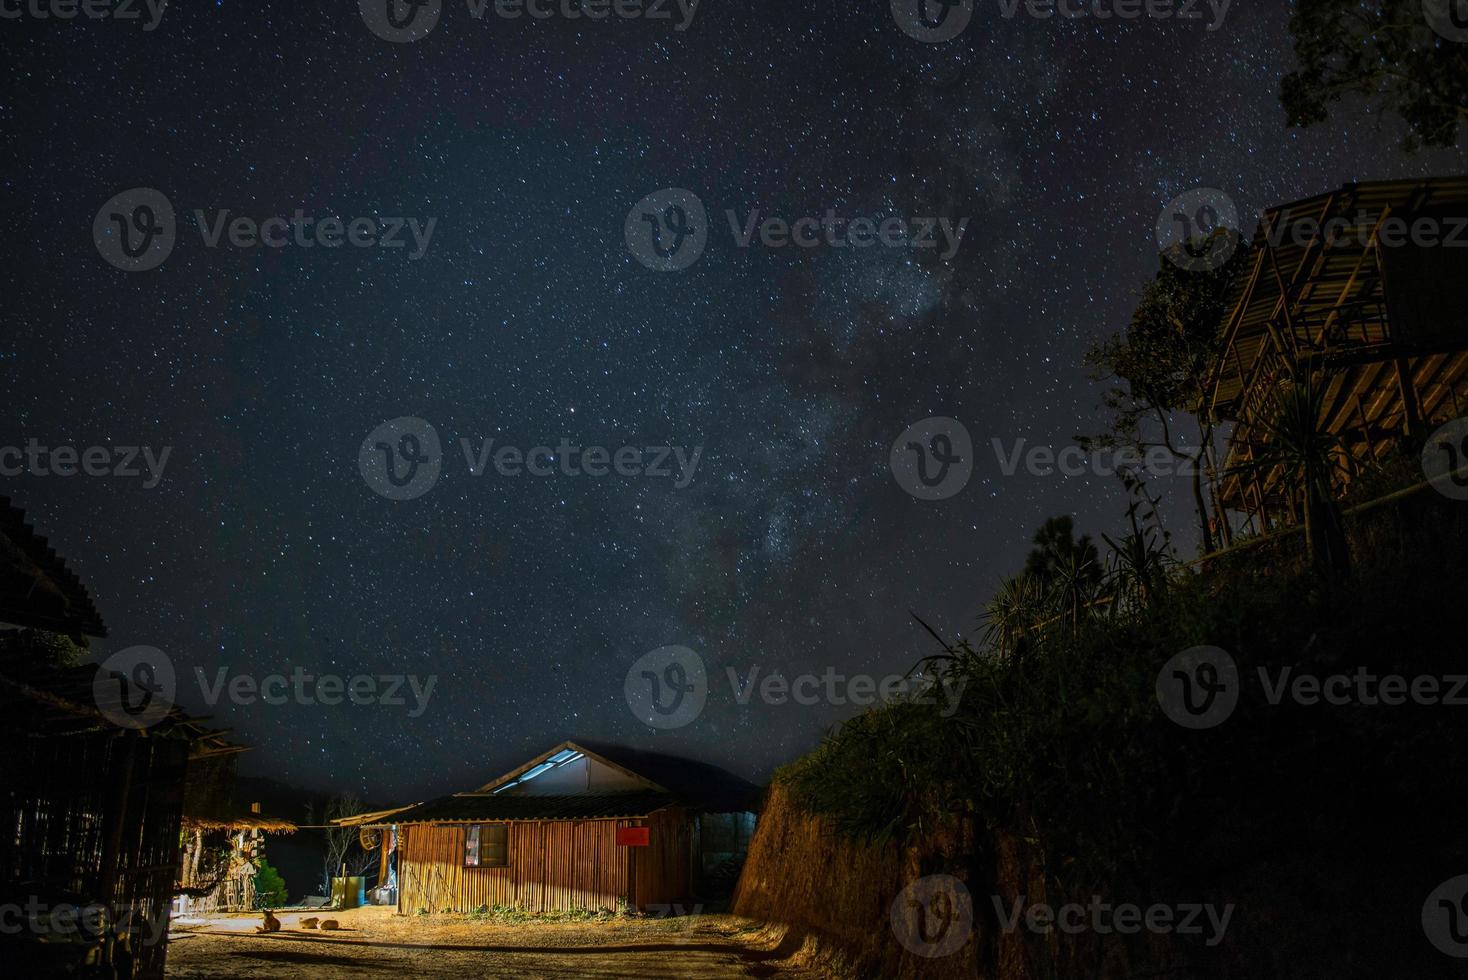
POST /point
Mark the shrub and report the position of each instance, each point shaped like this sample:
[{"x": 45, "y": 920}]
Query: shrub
[{"x": 270, "y": 890}]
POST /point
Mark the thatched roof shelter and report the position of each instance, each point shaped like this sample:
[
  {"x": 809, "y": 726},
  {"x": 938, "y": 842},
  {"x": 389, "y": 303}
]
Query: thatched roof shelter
[{"x": 36, "y": 587}]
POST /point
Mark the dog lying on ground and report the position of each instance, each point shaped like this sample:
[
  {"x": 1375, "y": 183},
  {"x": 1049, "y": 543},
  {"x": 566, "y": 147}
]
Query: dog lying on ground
[{"x": 312, "y": 922}]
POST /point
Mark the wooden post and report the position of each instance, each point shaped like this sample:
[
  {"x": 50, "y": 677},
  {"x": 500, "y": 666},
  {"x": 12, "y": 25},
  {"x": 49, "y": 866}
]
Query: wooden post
[
  {"x": 1411, "y": 408},
  {"x": 1209, "y": 459},
  {"x": 1365, "y": 430},
  {"x": 1259, "y": 500},
  {"x": 631, "y": 877},
  {"x": 116, "y": 821},
  {"x": 693, "y": 824},
  {"x": 198, "y": 849},
  {"x": 384, "y": 837}
]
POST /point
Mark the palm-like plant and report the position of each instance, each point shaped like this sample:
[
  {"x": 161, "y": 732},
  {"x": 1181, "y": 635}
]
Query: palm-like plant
[
  {"x": 1073, "y": 585},
  {"x": 1012, "y": 616},
  {"x": 1139, "y": 569},
  {"x": 1308, "y": 459}
]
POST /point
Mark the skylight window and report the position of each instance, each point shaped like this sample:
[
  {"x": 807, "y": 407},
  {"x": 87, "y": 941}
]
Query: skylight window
[{"x": 556, "y": 761}]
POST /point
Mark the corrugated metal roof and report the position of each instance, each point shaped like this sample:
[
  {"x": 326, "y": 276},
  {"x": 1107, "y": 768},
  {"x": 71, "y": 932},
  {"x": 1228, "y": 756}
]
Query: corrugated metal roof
[
  {"x": 698, "y": 785},
  {"x": 474, "y": 808}
]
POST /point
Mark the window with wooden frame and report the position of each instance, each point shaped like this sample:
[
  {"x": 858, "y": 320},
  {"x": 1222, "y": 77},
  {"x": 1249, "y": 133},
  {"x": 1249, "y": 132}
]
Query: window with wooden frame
[{"x": 487, "y": 845}]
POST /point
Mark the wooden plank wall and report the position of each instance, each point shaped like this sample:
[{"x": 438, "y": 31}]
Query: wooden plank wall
[
  {"x": 554, "y": 866},
  {"x": 97, "y": 815},
  {"x": 663, "y": 867}
]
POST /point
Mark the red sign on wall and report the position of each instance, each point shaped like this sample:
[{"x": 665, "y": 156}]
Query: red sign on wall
[{"x": 632, "y": 836}]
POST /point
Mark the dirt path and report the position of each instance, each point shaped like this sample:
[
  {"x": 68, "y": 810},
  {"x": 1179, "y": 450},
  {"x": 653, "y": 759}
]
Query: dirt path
[{"x": 375, "y": 943}]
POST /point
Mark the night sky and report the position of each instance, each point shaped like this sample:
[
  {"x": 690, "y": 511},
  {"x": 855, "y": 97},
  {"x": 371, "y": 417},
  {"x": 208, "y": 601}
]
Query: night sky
[{"x": 529, "y": 320}]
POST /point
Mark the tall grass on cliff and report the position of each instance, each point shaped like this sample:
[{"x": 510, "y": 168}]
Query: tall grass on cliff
[{"x": 1058, "y": 738}]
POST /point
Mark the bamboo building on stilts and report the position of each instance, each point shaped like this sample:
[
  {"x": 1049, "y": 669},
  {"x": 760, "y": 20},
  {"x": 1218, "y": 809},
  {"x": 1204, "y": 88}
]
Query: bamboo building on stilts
[{"x": 1364, "y": 292}]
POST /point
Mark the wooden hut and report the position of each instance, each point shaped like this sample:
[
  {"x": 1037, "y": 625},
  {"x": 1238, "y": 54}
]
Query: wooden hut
[
  {"x": 1361, "y": 290},
  {"x": 36, "y": 588},
  {"x": 223, "y": 842},
  {"x": 91, "y": 811},
  {"x": 574, "y": 828}
]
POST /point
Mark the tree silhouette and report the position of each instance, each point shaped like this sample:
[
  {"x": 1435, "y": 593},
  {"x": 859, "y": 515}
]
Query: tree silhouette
[
  {"x": 1385, "y": 51},
  {"x": 1160, "y": 366}
]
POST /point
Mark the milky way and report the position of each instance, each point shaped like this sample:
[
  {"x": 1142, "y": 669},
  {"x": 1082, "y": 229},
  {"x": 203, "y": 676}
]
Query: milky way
[{"x": 529, "y": 320}]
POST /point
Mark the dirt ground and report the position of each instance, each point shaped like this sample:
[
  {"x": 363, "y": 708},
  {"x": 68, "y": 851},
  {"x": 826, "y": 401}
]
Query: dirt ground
[{"x": 373, "y": 942}]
